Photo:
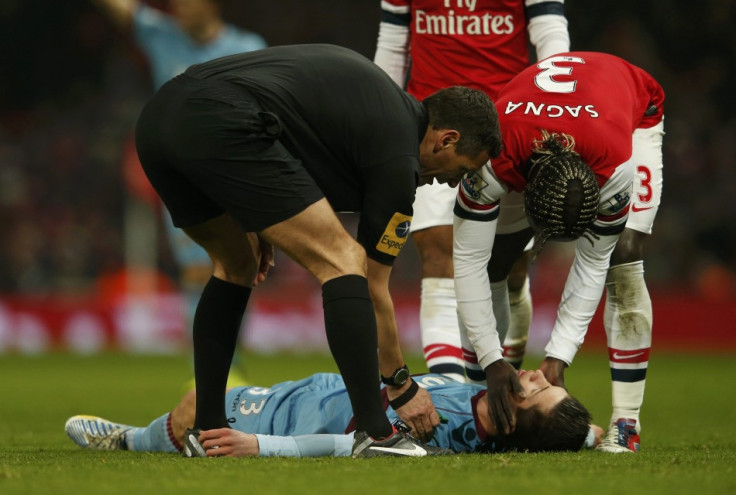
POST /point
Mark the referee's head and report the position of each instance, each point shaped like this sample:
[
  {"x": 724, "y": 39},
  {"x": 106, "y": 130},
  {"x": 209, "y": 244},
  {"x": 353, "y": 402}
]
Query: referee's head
[{"x": 470, "y": 112}]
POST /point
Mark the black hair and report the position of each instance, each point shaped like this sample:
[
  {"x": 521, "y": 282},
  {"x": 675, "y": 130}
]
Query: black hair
[
  {"x": 562, "y": 193},
  {"x": 470, "y": 112},
  {"x": 564, "y": 428}
]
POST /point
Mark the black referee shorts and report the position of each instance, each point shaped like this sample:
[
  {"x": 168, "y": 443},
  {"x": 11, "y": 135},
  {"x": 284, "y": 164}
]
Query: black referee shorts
[{"x": 208, "y": 148}]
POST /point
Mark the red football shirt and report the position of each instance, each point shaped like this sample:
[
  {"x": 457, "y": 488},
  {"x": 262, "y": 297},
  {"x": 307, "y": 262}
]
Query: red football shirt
[
  {"x": 480, "y": 44},
  {"x": 598, "y": 99}
]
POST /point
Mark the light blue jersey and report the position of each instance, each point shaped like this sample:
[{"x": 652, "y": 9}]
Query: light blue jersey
[
  {"x": 459, "y": 429},
  {"x": 317, "y": 404},
  {"x": 170, "y": 50},
  {"x": 320, "y": 404}
]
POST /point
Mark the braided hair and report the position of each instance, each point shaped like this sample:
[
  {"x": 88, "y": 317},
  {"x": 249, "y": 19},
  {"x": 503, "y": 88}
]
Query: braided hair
[{"x": 561, "y": 196}]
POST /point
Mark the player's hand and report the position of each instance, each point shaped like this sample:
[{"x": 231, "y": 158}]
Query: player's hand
[
  {"x": 267, "y": 260},
  {"x": 419, "y": 413},
  {"x": 554, "y": 371},
  {"x": 228, "y": 443},
  {"x": 504, "y": 394}
]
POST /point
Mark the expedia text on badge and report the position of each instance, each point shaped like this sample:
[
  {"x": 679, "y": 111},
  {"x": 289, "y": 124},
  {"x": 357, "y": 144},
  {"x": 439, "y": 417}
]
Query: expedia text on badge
[
  {"x": 392, "y": 244},
  {"x": 395, "y": 234}
]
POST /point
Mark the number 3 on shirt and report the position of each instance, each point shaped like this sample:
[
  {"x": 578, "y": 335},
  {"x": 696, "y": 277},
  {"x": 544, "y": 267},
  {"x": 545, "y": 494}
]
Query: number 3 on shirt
[
  {"x": 545, "y": 79},
  {"x": 645, "y": 183}
]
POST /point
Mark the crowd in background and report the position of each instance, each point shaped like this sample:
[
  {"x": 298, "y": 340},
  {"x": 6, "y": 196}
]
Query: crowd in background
[{"x": 72, "y": 85}]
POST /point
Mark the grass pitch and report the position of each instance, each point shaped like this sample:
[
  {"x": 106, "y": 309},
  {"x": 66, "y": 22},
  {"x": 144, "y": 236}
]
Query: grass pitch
[{"x": 688, "y": 440}]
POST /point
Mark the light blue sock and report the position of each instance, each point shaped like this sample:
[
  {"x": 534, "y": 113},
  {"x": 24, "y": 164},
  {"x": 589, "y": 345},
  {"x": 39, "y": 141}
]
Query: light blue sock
[{"x": 153, "y": 438}]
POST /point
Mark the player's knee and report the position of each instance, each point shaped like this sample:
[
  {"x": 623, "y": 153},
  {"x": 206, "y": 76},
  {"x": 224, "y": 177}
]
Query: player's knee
[
  {"x": 434, "y": 241},
  {"x": 629, "y": 248},
  {"x": 239, "y": 272},
  {"x": 437, "y": 267},
  {"x": 516, "y": 281},
  {"x": 353, "y": 260},
  {"x": 435, "y": 251},
  {"x": 519, "y": 273}
]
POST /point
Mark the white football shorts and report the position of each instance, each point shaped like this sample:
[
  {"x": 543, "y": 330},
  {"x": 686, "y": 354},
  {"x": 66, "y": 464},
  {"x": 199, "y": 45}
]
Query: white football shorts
[
  {"x": 647, "y": 193},
  {"x": 433, "y": 205}
]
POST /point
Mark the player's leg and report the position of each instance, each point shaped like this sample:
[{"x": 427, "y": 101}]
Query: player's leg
[
  {"x": 316, "y": 239},
  {"x": 95, "y": 433},
  {"x": 520, "y": 311},
  {"x": 628, "y": 323},
  {"x": 212, "y": 159},
  {"x": 195, "y": 269},
  {"x": 193, "y": 264},
  {"x": 628, "y": 309},
  {"x": 235, "y": 255},
  {"x": 438, "y": 305},
  {"x": 432, "y": 234},
  {"x": 189, "y": 164},
  {"x": 181, "y": 418},
  {"x": 508, "y": 272},
  {"x": 163, "y": 434},
  {"x": 506, "y": 249}
]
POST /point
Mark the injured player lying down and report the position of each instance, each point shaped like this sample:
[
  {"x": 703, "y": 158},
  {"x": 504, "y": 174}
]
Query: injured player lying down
[{"x": 312, "y": 418}]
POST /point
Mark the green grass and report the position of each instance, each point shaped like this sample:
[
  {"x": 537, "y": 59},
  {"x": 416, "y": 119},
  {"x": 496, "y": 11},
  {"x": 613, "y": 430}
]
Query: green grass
[{"x": 689, "y": 438}]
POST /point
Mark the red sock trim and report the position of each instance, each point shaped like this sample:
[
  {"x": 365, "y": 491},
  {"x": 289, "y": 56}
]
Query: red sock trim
[{"x": 170, "y": 432}]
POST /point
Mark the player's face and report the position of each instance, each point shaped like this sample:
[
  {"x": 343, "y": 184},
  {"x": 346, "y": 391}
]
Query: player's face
[
  {"x": 539, "y": 392},
  {"x": 448, "y": 167}
]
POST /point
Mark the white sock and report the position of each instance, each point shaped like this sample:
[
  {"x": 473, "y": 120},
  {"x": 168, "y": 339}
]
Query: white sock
[
  {"x": 439, "y": 325},
  {"x": 520, "y": 319},
  {"x": 627, "y": 319},
  {"x": 473, "y": 370}
]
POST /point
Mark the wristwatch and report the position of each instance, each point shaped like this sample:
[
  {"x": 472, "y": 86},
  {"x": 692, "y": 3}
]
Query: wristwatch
[{"x": 398, "y": 378}]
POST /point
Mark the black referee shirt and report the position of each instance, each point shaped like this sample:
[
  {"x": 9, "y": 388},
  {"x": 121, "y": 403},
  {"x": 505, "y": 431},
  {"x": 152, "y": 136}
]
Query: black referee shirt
[{"x": 353, "y": 128}]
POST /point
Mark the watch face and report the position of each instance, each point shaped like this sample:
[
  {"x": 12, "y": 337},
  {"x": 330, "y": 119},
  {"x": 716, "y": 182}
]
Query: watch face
[{"x": 401, "y": 376}]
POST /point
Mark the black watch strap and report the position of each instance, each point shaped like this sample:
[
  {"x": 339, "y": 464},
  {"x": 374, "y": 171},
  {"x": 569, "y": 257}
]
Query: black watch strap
[{"x": 398, "y": 378}]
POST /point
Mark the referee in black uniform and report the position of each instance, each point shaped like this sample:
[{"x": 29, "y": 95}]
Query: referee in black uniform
[{"x": 255, "y": 151}]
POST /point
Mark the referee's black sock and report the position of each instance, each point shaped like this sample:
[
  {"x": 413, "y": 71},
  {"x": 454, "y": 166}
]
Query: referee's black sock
[
  {"x": 350, "y": 324},
  {"x": 215, "y": 335}
]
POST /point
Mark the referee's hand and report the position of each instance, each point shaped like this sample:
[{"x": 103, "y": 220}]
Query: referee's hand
[{"x": 419, "y": 413}]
